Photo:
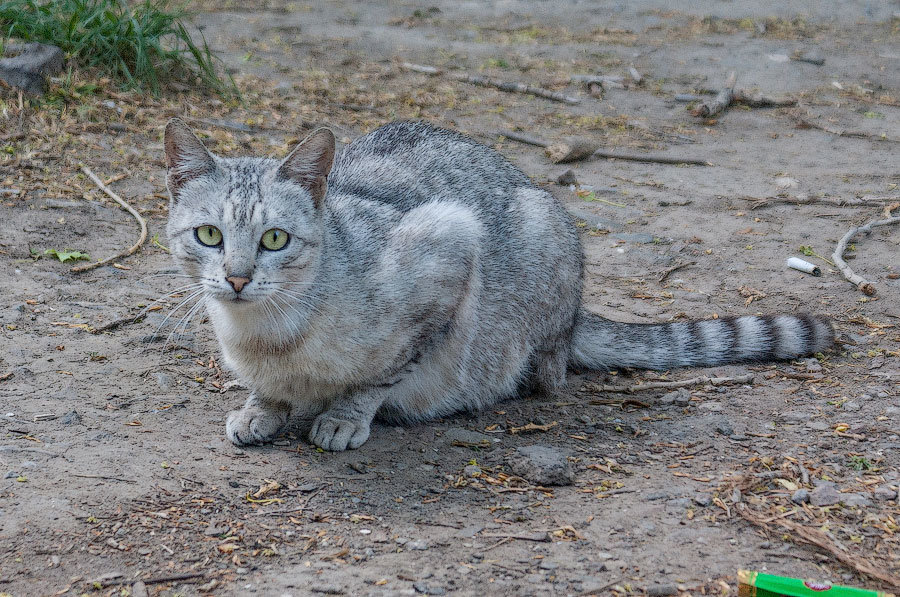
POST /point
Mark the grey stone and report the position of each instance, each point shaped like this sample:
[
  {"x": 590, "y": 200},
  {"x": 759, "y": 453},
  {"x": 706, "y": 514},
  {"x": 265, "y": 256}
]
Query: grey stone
[
  {"x": 471, "y": 530},
  {"x": 703, "y": 499},
  {"x": 681, "y": 502},
  {"x": 472, "y": 470},
  {"x": 426, "y": 589},
  {"x": 542, "y": 465},
  {"x": 548, "y": 565},
  {"x": 662, "y": 590},
  {"x": 857, "y": 500},
  {"x": 713, "y": 407},
  {"x": 892, "y": 411},
  {"x": 852, "y": 406},
  {"x": 794, "y": 417},
  {"x": 884, "y": 494},
  {"x": 824, "y": 495},
  {"x": 28, "y": 69},
  {"x": 11, "y": 475},
  {"x": 71, "y": 418},
  {"x": 566, "y": 178},
  {"x": 724, "y": 427},
  {"x": 818, "y": 425},
  {"x": 416, "y": 545},
  {"x": 801, "y": 496}
]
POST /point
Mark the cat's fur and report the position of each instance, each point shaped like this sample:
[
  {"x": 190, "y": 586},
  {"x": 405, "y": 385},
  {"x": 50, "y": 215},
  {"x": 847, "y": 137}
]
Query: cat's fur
[{"x": 431, "y": 277}]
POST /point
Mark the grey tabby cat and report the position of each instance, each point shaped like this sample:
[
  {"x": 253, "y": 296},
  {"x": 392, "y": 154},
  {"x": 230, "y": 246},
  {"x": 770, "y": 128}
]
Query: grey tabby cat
[{"x": 417, "y": 275}]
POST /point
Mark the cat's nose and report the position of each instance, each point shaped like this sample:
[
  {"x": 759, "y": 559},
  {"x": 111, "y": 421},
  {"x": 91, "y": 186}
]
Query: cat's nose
[{"x": 237, "y": 282}]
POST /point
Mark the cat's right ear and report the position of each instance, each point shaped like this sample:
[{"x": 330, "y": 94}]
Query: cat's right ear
[{"x": 186, "y": 156}]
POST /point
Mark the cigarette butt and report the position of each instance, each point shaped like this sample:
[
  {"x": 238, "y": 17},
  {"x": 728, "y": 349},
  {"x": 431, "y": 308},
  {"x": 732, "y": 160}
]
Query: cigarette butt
[{"x": 803, "y": 266}]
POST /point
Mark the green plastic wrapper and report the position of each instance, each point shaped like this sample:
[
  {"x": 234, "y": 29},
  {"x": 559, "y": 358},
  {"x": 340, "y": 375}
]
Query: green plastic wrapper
[{"x": 757, "y": 584}]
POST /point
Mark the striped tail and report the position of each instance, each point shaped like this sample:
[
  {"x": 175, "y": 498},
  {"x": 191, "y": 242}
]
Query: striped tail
[{"x": 599, "y": 343}]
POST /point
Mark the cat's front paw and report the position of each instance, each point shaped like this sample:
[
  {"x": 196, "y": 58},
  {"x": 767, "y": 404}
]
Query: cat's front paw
[
  {"x": 335, "y": 434},
  {"x": 254, "y": 425}
]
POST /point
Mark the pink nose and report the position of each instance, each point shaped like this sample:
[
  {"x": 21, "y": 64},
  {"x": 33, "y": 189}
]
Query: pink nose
[{"x": 238, "y": 282}]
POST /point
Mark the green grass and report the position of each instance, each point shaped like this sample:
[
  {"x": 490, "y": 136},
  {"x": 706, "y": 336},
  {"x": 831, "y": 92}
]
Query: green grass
[{"x": 142, "y": 45}]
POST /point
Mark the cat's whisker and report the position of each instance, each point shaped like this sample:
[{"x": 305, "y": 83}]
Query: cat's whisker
[
  {"x": 182, "y": 325},
  {"x": 190, "y": 297},
  {"x": 302, "y": 301}
]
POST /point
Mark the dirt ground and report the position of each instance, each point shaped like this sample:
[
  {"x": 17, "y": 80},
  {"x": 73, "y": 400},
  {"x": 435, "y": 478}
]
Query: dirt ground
[{"x": 114, "y": 467}]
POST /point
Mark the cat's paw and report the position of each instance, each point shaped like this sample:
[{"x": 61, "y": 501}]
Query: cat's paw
[
  {"x": 338, "y": 434},
  {"x": 254, "y": 425}
]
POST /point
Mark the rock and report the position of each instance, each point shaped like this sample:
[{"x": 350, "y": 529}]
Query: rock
[
  {"x": 139, "y": 589},
  {"x": 28, "y": 69},
  {"x": 852, "y": 406},
  {"x": 542, "y": 465},
  {"x": 11, "y": 475},
  {"x": 892, "y": 411},
  {"x": 214, "y": 529},
  {"x": 548, "y": 565},
  {"x": 472, "y": 470},
  {"x": 712, "y": 407},
  {"x": 641, "y": 238},
  {"x": 426, "y": 589},
  {"x": 857, "y": 500},
  {"x": 662, "y": 590},
  {"x": 818, "y": 425},
  {"x": 416, "y": 545},
  {"x": 884, "y": 494},
  {"x": 810, "y": 55},
  {"x": 794, "y": 417},
  {"x": 470, "y": 531},
  {"x": 824, "y": 495},
  {"x": 725, "y": 428},
  {"x": 681, "y": 502},
  {"x": 71, "y": 418},
  {"x": 801, "y": 496},
  {"x": 813, "y": 365},
  {"x": 703, "y": 499},
  {"x": 566, "y": 178}
]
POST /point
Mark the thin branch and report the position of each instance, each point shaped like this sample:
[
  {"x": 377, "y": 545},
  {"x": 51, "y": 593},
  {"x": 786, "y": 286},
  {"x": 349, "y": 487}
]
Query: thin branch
[
  {"x": 719, "y": 103},
  {"x": 565, "y": 153},
  {"x": 509, "y": 86},
  {"x": 810, "y": 124},
  {"x": 143, "y": 223},
  {"x": 819, "y": 539},
  {"x": 665, "y": 385},
  {"x": 759, "y": 202},
  {"x": 864, "y": 285}
]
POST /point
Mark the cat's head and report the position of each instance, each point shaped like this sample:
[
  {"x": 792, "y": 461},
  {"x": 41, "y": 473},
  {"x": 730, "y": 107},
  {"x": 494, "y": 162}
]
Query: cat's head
[{"x": 246, "y": 228}]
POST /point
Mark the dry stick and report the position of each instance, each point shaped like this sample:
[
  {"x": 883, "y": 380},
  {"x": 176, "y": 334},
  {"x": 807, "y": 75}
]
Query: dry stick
[
  {"x": 758, "y": 100},
  {"x": 509, "y": 86},
  {"x": 864, "y": 285},
  {"x": 806, "y": 123},
  {"x": 154, "y": 580},
  {"x": 580, "y": 151},
  {"x": 758, "y": 202},
  {"x": 819, "y": 539},
  {"x": 719, "y": 103},
  {"x": 674, "y": 268},
  {"x": 657, "y": 385},
  {"x": 143, "y": 223}
]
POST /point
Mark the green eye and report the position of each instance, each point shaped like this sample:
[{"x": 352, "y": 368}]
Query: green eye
[
  {"x": 274, "y": 239},
  {"x": 208, "y": 235}
]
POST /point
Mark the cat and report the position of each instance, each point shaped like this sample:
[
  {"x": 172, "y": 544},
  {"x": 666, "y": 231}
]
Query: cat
[{"x": 416, "y": 275}]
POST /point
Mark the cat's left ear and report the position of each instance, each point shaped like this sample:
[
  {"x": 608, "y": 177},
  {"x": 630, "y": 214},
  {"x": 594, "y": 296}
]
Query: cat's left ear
[{"x": 310, "y": 162}]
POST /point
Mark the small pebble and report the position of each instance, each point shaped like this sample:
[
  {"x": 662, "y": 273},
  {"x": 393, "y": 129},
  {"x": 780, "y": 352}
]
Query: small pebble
[
  {"x": 801, "y": 496},
  {"x": 824, "y": 495},
  {"x": 662, "y": 590},
  {"x": 566, "y": 178},
  {"x": 703, "y": 499},
  {"x": 884, "y": 494},
  {"x": 852, "y": 406},
  {"x": 542, "y": 465}
]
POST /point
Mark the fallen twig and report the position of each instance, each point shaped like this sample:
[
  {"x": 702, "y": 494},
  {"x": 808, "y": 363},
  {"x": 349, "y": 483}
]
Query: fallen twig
[
  {"x": 803, "y": 122},
  {"x": 116, "y": 324},
  {"x": 674, "y": 268},
  {"x": 759, "y": 202},
  {"x": 819, "y": 539},
  {"x": 107, "y": 477},
  {"x": 758, "y": 100},
  {"x": 719, "y": 103},
  {"x": 560, "y": 153},
  {"x": 143, "y": 223},
  {"x": 509, "y": 86},
  {"x": 154, "y": 580},
  {"x": 864, "y": 285},
  {"x": 683, "y": 383}
]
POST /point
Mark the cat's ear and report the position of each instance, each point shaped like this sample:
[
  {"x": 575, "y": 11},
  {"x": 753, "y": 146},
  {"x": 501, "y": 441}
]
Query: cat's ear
[
  {"x": 310, "y": 162},
  {"x": 186, "y": 156}
]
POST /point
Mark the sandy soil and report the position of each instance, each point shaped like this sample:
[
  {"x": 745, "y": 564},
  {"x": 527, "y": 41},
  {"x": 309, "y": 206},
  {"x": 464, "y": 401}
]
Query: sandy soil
[{"x": 114, "y": 467}]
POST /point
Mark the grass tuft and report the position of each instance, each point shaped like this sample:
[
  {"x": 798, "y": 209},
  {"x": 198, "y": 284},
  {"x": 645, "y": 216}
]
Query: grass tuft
[{"x": 142, "y": 44}]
